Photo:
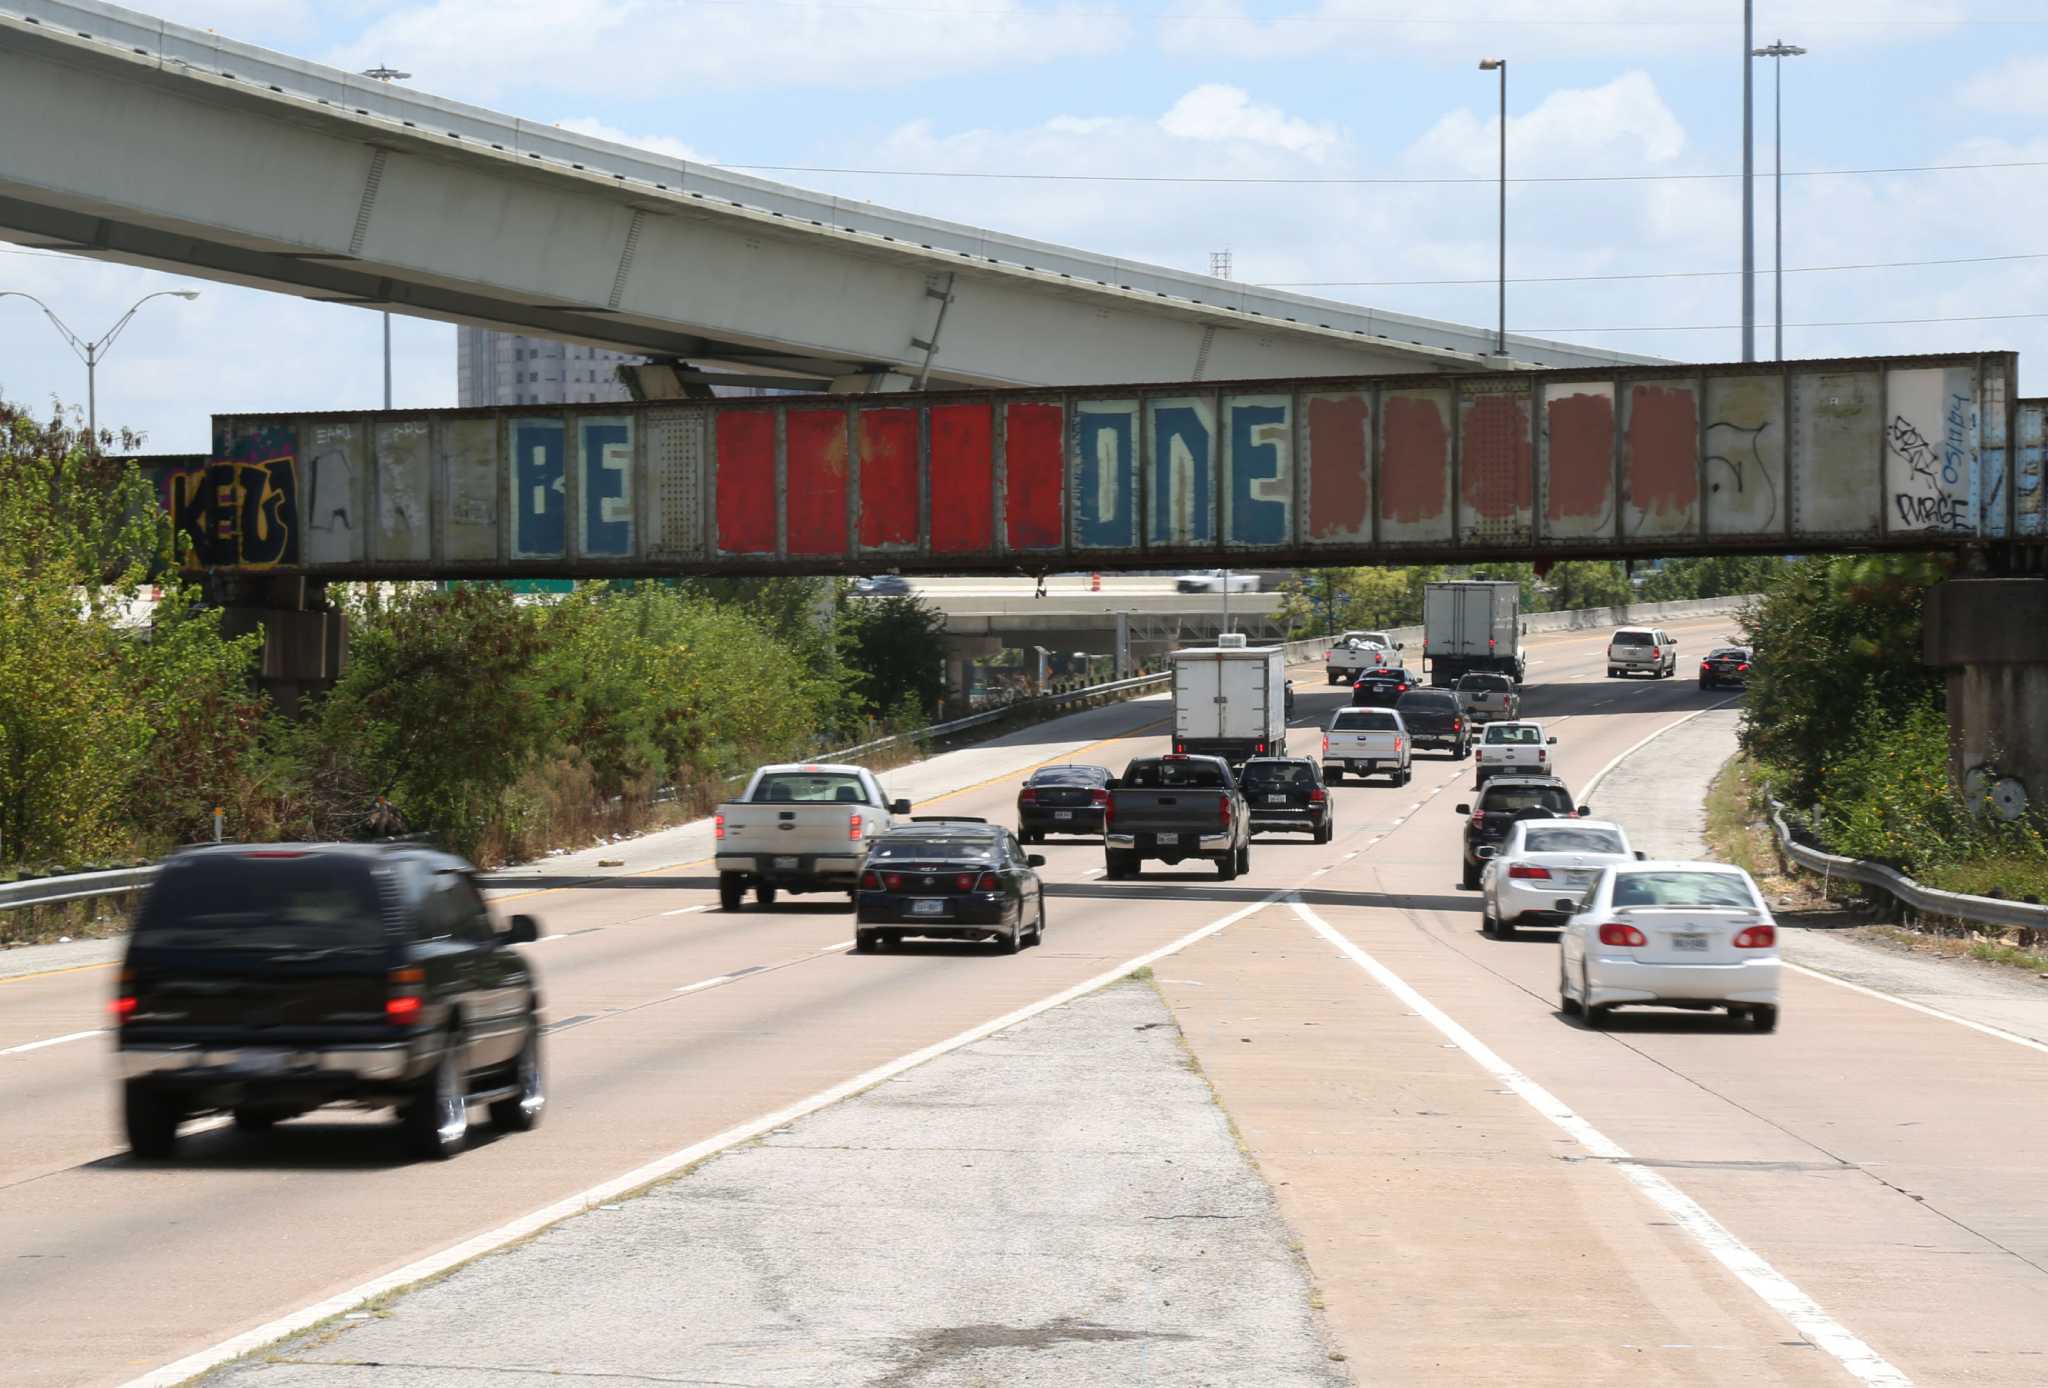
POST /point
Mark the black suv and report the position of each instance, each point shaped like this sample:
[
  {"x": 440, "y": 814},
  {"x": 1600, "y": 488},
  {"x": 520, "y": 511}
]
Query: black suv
[
  {"x": 1435, "y": 718},
  {"x": 267, "y": 981},
  {"x": 1725, "y": 665},
  {"x": 949, "y": 878},
  {"x": 1500, "y": 802},
  {"x": 1287, "y": 795}
]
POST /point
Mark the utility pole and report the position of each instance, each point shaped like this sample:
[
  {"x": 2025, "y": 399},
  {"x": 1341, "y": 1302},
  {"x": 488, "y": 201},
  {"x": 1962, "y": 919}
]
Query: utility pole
[
  {"x": 92, "y": 352},
  {"x": 1748, "y": 186},
  {"x": 1219, "y": 264},
  {"x": 1500, "y": 341},
  {"x": 1777, "y": 53},
  {"x": 387, "y": 75}
]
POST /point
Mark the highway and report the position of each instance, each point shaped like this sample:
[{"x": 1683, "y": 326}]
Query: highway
[{"x": 1880, "y": 1163}]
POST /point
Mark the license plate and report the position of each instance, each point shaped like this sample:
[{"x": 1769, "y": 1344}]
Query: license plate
[
  {"x": 1360, "y": 764},
  {"x": 1695, "y": 943},
  {"x": 785, "y": 865},
  {"x": 1166, "y": 838},
  {"x": 258, "y": 1062},
  {"x": 928, "y": 908},
  {"x": 1062, "y": 814},
  {"x": 1276, "y": 800}
]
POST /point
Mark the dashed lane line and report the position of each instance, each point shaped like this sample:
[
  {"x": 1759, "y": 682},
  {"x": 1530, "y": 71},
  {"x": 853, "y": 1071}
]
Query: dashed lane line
[{"x": 26, "y": 1047}]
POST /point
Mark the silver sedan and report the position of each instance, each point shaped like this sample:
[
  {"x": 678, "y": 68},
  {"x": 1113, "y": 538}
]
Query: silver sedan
[{"x": 1540, "y": 861}]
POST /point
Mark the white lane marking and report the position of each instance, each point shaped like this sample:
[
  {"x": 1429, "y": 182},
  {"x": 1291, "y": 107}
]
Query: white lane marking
[
  {"x": 1586, "y": 791},
  {"x": 2029, "y": 1042},
  {"x": 1095, "y": 872},
  {"x": 843, "y": 944},
  {"x": 1775, "y": 1289},
  {"x": 688, "y": 910},
  {"x": 53, "y": 1041},
  {"x": 707, "y": 983},
  {"x": 435, "y": 1263}
]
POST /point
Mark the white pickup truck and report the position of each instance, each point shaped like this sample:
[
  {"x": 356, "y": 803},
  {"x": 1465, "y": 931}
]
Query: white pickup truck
[
  {"x": 1515, "y": 749},
  {"x": 1367, "y": 740},
  {"x": 1355, "y": 652},
  {"x": 799, "y": 828}
]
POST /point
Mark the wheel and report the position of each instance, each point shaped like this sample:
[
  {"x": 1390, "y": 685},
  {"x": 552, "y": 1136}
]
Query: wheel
[
  {"x": 1764, "y": 1017},
  {"x": 1613, "y": 673},
  {"x": 1504, "y": 929},
  {"x": 1407, "y": 774},
  {"x": 1479, "y": 779},
  {"x": 1470, "y": 880},
  {"x": 521, "y": 1112},
  {"x": 1038, "y": 930},
  {"x": 1706, "y": 684},
  {"x": 1014, "y": 941},
  {"x": 867, "y": 941},
  {"x": 1487, "y": 923},
  {"x": 1226, "y": 867},
  {"x": 1327, "y": 831},
  {"x": 732, "y": 891},
  {"x": 1333, "y": 774},
  {"x": 151, "y": 1119},
  {"x": 764, "y": 894},
  {"x": 1594, "y": 1017},
  {"x": 1244, "y": 858},
  {"x": 256, "y": 1120},
  {"x": 1566, "y": 1003},
  {"x": 436, "y": 1119}
]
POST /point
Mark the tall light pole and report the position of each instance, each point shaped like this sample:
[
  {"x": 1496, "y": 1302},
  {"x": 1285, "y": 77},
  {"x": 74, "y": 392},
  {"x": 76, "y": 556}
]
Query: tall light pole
[
  {"x": 1500, "y": 341},
  {"x": 1777, "y": 53},
  {"x": 1748, "y": 188},
  {"x": 382, "y": 73},
  {"x": 91, "y": 352}
]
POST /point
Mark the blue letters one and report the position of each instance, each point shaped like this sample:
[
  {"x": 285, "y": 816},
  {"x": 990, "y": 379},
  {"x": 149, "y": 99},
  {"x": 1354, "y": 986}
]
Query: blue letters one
[
  {"x": 538, "y": 496},
  {"x": 1179, "y": 430},
  {"x": 607, "y": 486},
  {"x": 1102, "y": 479},
  {"x": 1255, "y": 520}
]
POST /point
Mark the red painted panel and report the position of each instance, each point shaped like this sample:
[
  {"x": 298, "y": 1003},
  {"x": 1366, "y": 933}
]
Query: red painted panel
[
  {"x": 963, "y": 479},
  {"x": 1034, "y": 453},
  {"x": 1581, "y": 461},
  {"x": 1339, "y": 483},
  {"x": 1663, "y": 464},
  {"x": 816, "y": 444},
  {"x": 1496, "y": 473},
  {"x": 746, "y": 481},
  {"x": 888, "y": 477},
  {"x": 1415, "y": 459}
]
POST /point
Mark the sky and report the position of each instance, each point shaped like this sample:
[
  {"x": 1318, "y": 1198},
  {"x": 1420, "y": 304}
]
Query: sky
[{"x": 912, "y": 103}]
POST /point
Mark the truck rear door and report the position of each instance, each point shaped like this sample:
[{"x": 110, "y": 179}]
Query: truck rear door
[{"x": 1199, "y": 697}]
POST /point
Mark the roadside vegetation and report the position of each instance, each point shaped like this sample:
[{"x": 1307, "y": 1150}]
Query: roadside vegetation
[{"x": 502, "y": 727}]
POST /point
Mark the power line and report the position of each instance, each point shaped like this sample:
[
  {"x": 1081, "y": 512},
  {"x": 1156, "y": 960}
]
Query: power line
[
  {"x": 1646, "y": 275},
  {"x": 1367, "y": 21},
  {"x": 1838, "y": 323},
  {"x": 1488, "y": 179}
]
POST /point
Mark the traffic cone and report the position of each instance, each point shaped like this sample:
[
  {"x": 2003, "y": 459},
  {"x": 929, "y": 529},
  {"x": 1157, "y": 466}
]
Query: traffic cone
[{"x": 1094, "y": 583}]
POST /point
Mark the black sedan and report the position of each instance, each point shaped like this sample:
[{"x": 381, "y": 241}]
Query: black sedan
[
  {"x": 1384, "y": 686},
  {"x": 1062, "y": 800},
  {"x": 1727, "y": 665},
  {"x": 949, "y": 879},
  {"x": 1286, "y": 795}
]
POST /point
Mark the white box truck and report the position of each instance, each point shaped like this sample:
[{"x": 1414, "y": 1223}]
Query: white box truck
[
  {"x": 1230, "y": 700},
  {"x": 1473, "y": 625}
]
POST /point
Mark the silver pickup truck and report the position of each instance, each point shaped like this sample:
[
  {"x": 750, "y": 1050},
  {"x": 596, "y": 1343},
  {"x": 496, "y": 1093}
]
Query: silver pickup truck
[
  {"x": 1488, "y": 698},
  {"x": 799, "y": 828}
]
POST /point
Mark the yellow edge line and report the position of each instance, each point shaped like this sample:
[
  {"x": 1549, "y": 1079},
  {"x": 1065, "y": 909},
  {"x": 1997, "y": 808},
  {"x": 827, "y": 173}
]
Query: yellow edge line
[{"x": 68, "y": 969}]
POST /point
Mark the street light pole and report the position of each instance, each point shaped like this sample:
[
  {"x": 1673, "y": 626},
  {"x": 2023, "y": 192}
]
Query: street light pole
[
  {"x": 385, "y": 74},
  {"x": 1748, "y": 188},
  {"x": 91, "y": 352},
  {"x": 1777, "y": 53},
  {"x": 1500, "y": 341}
]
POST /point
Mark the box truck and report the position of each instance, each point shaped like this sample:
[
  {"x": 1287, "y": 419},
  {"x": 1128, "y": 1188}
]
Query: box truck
[
  {"x": 1230, "y": 700},
  {"x": 1475, "y": 625}
]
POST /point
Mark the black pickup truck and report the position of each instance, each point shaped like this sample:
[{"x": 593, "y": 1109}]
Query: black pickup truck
[
  {"x": 1173, "y": 808},
  {"x": 1436, "y": 719}
]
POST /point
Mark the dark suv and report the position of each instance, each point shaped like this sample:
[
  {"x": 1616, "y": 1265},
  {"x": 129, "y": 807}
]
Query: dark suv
[
  {"x": 1435, "y": 718},
  {"x": 1500, "y": 802},
  {"x": 269, "y": 981}
]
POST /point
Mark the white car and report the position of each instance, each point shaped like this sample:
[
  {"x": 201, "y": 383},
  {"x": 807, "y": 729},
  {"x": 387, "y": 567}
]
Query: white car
[
  {"x": 1520, "y": 748},
  {"x": 1216, "y": 581},
  {"x": 1670, "y": 934},
  {"x": 1539, "y": 861}
]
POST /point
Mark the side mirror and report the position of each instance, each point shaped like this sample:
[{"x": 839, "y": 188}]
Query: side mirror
[
  {"x": 1485, "y": 851},
  {"x": 1400, "y": 645},
  {"x": 1566, "y": 905},
  {"x": 1585, "y": 812},
  {"x": 1641, "y": 856},
  {"x": 1034, "y": 860},
  {"x": 899, "y": 807},
  {"x": 1463, "y": 809},
  {"x": 1551, "y": 741},
  {"x": 525, "y": 930}
]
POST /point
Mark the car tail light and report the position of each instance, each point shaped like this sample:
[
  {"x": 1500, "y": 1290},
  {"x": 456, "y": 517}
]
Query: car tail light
[
  {"x": 1223, "y": 804},
  {"x": 1456, "y": 724},
  {"x": 1027, "y": 796},
  {"x": 402, "y": 997},
  {"x": 1318, "y": 796},
  {"x": 988, "y": 883},
  {"x": 1542, "y": 755},
  {"x": 1529, "y": 872},
  {"x": 893, "y": 881},
  {"x": 1099, "y": 797},
  {"x": 1478, "y": 819},
  {"x": 1401, "y": 689},
  {"x": 871, "y": 882},
  {"x": 963, "y": 882},
  {"x": 1489, "y": 643},
  {"x": 1655, "y": 652},
  {"x": 718, "y": 826},
  {"x": 1705, "y": 666},
  {"x": 1756, "y": 937},
  {"x": 853, "y": 827},
  {"x": 123, "y": 1005},
  {"x": 1397, "y": 743},
  {"x": 1326, "y": 744},
  {"x": 1623, "y": 934},
  {"x": 1744, "y": 666}
]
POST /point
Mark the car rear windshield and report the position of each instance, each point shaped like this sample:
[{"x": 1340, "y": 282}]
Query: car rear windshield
[
  {"x": 814, "y": 787},
  {"x": 1573, "y": 841},
  {"x": 1514, "y": 732},
  {"x": 1069, "y": 776},
  {"x": 245, "y": 901},
  {"x": 1634, "y": 638},
  {"x": 1508, "y": 799},
  {"x": 1730, "y": 653},
  {"x": 1364, "y": 720},
  {"x": 1680, "y": 888},
  {"x": 933, "y": 849},
  {"x": 1277, "y": 773},
  {"x": 1173, "y": 775},
  {"x": 1489, "y": 683}
]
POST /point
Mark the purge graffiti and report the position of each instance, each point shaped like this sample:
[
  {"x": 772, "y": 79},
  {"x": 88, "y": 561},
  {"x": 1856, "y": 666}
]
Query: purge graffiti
[{"x": 1654, "y": 460}]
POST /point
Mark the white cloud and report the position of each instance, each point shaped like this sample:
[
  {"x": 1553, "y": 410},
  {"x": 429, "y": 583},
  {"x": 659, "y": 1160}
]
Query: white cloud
[
  {"x": 655, "y": 144},
  {"x": 1622, "y": 125},
  {"x": 2016, "y": 87},
  {"x": 1219, "y": 113},
  {"x": 489, "y": 49}
]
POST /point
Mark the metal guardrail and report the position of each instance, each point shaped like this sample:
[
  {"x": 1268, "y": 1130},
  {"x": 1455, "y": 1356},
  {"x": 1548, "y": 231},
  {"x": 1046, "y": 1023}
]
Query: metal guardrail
[
  {"x": 1986, "y": 910},
  {"x": 50, "y": 891}
]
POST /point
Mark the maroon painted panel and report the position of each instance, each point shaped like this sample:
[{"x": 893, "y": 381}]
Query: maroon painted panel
[
  {"x": 816, "y": 444},
  {"x": 1579, "y": 464},
  {"x": 888, "y": 477},
  {"x": 746, "y": 481},
  {"x": 1339, "y": 470},
  {"x": 963, "y": 478},
  {"x": 1496, "y": 472},
  {"x": 1661, "y": 458},
  {"x": 1415, "y": 466},
  {"x": 1034, "y": 472}
]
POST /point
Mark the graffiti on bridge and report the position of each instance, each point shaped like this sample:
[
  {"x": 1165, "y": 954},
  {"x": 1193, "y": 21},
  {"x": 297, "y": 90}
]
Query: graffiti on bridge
[{"x": 236, "y": 514}]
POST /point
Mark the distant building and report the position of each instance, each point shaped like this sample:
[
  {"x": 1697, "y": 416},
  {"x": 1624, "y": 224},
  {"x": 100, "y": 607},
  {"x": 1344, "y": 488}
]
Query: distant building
[{"x": 494, "y": 368}]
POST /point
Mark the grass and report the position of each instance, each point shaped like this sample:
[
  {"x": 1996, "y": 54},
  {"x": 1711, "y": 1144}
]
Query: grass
[
  {"x": 2015, "y": 876},
  {"x": 1733, "y": 820},
  {"x": 2010, "y": 956}
]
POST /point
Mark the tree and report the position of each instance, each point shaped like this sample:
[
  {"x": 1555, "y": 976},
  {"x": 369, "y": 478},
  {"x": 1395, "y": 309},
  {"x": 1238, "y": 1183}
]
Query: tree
[
  {"x": 894, "y": 654},
  {"x": 1580, "y": 583}
]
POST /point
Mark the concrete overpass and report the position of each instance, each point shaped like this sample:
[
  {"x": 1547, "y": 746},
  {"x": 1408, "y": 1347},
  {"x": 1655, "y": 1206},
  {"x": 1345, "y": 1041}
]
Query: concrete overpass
[{"x": 136, "y": 140}]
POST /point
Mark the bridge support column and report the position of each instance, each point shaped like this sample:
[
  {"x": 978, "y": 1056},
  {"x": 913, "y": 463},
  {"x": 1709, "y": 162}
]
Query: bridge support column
[
  {"x": 305, "y": 640},
  {"x": 1991, "y": 637}
]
